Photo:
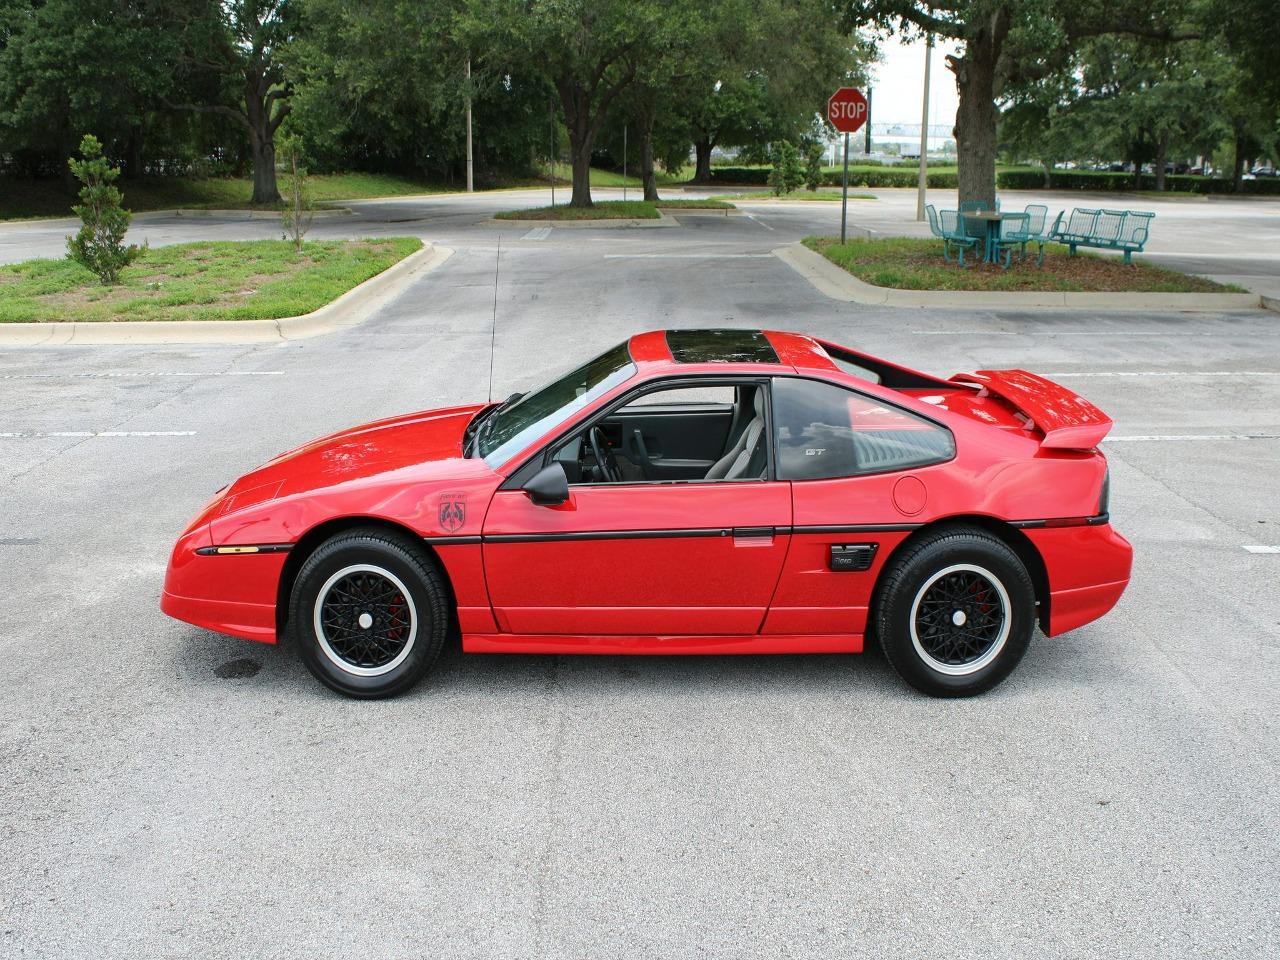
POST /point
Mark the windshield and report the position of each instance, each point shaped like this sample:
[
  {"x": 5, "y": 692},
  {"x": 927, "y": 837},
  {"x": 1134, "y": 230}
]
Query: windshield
[{"x": 509, "y": 429}]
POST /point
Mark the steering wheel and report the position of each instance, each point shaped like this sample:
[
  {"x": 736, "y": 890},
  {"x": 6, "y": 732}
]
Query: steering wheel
[{"x": 606, "y": 459}]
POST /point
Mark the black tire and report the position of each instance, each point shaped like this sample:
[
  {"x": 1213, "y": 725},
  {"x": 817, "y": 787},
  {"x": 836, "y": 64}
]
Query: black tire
[
  {"x": 369, "y": 613},
  {"x": 972, "y": 604}
]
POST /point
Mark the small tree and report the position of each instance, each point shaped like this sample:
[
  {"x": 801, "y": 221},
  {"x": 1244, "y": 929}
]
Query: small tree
[
  {"x": 787, "y": 173},
  {"x": 99, "y": 244},
  {"x": 299, "y": 205},
  {"x": 812, "y": 164}
]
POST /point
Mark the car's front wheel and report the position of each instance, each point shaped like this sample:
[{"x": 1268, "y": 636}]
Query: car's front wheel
[
  {"x": 369, "y": 613},
  {"x": 955, "y": 612}
]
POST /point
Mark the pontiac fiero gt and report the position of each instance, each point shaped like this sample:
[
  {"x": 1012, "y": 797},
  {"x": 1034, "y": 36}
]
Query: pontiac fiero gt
[{"x": 688, "y": 491}]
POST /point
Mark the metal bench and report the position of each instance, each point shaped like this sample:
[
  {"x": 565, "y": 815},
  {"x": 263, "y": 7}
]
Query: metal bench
[{"x": 1125, "y": 230}]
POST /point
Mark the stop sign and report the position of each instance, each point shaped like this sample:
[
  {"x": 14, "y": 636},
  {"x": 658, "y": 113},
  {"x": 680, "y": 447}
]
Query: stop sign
[{"x": 847, "y": 109}]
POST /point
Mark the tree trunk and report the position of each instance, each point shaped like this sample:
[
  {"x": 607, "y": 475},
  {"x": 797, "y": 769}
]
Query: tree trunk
[
  {"x": 581, "y": 173},
  {"x": 1162, "y": 152},
  {"x": 265, "y": 190},
  {"x": 576, "y": 103},
  {"x": 133, "y": 153},
  {"x": 262, "y": 133},
  {"x": 978, "y": 86},
  {"x": 648, "y": 177},
  {"x": 1048, "y": 173},
  {"x": 1237, "y": 162},
  {"x": 702, "y": 164}
]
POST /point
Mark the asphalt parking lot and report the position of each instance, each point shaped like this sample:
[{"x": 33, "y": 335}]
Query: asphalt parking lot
[{"x": 168, "y": 792}]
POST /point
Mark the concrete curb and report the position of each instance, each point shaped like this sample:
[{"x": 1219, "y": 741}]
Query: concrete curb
[
  {"x": 603, "y": 224},
  {"x": 352, "y": 308},
  {"x": 838, "y": 284},
  {"x": 1271, "y": 303},
  {"x": 678, "y": 212}
]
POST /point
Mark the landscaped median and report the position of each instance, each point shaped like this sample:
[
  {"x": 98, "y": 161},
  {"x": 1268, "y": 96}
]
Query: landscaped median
[
  {"x": 912, "y": 272},
  {"x": 227, "y": 291},
  {"x": 629, "y": 210}
]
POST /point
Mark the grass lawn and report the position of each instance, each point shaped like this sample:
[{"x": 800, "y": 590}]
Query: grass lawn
[
  {"x": 226, "y": 280},
  {"x": 822, "y": 193},
  {"x": 909, "y": 264},
  {"x": 563, "y": 173},
  {"x": 601, "y": 210},
  {"x": 23, "y": 199},
  {"x": 48, "y": 198}
]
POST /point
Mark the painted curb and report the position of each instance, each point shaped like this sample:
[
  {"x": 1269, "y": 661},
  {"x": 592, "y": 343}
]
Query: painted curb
[
  {"x": 351, "y": 309},
  {"x": 838, "y": 284},
  {"x": 604, "y": 224}
]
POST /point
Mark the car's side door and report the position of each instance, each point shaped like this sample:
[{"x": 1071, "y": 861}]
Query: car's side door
[
  {"x": 861, "y": 471},
  {"x": 639, "y": 558}
]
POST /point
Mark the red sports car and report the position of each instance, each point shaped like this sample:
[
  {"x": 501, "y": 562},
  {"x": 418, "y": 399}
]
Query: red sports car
[{"x": 689, "y": 491}]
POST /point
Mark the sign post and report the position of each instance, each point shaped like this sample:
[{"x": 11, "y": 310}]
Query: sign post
[{"x": 846, "y": 111}]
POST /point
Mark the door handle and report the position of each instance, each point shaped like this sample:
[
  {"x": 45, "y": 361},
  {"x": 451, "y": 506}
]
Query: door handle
[{"x": 753, "y": 536}]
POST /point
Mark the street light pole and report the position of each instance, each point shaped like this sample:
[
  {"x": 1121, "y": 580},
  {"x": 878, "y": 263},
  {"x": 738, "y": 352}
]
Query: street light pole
[
  {"x": 924, "y": 131},
  {"x": 471, "y": 185}
]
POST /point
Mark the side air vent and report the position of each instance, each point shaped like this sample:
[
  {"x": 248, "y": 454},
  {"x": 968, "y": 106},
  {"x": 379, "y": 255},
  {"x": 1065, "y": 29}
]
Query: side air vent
[{"x": 852, "y": 557}]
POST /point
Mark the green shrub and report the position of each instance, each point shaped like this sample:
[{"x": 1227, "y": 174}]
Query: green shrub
[
  {"x": 787, "y": 174},
  {"x": 812, "y": 164},
  {"x": 99, "y": 244}
]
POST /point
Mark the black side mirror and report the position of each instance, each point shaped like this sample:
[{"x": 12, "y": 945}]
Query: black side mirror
[{"x": 549, "y": 486}]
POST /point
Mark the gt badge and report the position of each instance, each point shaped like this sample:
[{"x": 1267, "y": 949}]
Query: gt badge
[{"x": 453, "y": 511}]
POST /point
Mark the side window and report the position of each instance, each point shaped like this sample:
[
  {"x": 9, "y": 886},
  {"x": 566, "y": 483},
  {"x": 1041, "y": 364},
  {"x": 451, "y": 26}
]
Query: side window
[
  {"x": 723, "y": 394},
  {"x": 824, "y": 431}
]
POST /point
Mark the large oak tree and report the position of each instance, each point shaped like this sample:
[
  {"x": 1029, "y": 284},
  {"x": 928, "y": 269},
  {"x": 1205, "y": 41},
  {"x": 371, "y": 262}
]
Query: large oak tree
[{"x": 1005, "y": 41}]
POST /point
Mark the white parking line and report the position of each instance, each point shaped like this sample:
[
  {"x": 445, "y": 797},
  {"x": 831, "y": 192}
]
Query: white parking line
[
  {"x": 537, "y": 233},
  {"x": 1169, "y": 373},
  {"x": 40, "y": 434},
  {"x": 1261, "y": 548},
  {"x": 754, "y": 219},
  {"x": 1068, "y": 333},
  {"x": 688, "y": 256},
  {"x": 1192, "y": 436},
  {"x": 122, "y": 374}
]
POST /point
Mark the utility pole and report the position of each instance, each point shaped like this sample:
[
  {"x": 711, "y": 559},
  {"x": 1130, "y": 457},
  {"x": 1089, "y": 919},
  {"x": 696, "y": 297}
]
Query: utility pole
[
  {"x": 624, "y": 162},
  {"x": 553, "y": 155},
  {"x": 471, "y": 184},
  {"x": 866, "y": 143},
  {"x": 924, "y": 131}
]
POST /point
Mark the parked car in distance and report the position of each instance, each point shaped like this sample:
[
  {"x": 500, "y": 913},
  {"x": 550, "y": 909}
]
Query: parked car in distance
[{"x": 684, "y": 492}]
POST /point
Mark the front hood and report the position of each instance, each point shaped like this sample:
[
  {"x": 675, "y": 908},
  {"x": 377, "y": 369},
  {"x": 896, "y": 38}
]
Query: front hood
[{"x": 430, "y": 442}]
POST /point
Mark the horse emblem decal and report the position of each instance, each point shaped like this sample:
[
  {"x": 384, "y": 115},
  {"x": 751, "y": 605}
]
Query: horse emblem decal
[{"x": 453, "y": 511}]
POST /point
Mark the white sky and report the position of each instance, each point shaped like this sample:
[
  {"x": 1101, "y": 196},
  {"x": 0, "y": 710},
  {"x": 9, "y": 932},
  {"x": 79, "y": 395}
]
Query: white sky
[{"x": 899, "y": 84}]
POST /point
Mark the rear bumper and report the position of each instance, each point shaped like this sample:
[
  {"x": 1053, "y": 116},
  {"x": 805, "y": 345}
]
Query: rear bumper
[{"x": 1088, "y": 570}]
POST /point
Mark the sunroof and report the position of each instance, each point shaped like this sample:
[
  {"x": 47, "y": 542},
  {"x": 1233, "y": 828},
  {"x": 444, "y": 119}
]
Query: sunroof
[{"x": 720, "y": 346}]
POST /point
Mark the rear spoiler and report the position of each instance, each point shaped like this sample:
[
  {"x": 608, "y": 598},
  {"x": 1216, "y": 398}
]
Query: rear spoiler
[{"x": 1068, "y": 421}]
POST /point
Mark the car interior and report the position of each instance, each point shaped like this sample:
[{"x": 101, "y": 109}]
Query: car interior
[{"x": 705, "y": 432}]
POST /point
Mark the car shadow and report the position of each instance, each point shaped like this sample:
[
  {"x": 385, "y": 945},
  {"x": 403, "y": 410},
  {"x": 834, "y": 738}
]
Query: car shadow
[{"x": 212, "y": 659}]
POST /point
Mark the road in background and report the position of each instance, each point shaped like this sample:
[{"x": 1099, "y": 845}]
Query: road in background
[
  {"x": 1230, "y": 240},
  {"x": 171, "y": 792}
]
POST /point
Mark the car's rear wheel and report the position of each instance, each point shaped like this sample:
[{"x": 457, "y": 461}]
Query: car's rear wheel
[
  {"x": 955, "y": 612},
  {"x": 369, "y": 613}
]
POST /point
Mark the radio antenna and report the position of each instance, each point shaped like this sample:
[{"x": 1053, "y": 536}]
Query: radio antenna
[{"x": 493, "y": 327}]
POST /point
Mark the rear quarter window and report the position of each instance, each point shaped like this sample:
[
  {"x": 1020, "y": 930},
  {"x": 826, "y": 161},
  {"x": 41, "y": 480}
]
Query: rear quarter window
[{"x": 823, "y": 431}]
